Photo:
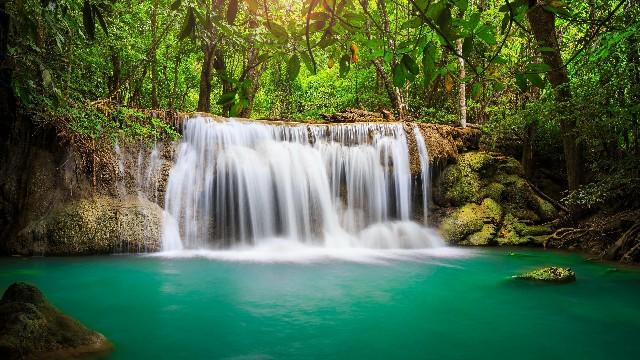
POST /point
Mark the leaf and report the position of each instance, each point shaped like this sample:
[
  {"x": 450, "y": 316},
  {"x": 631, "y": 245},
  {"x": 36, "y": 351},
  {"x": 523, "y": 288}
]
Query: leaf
[
  {"x": 252, "y": 5},
  {"x": 278, "y": 31},
  {"x": 344, "y": 65},
  {"x": 412, "y": 23},
  {"x": 232, "y": 11},
  {"x": 485, "y": 33},
  {"x": 475, "y": 90},
  {"x": 101, "y": 21},
  {"x": 176, "y": 5},
  {"x": 521, "y": 82},
  {"x": 444, "y": 22},
  {"x": 467, "y": 46},
  {"x": 429, "y": 62},
  {"x": 88, "y": 20},
  {"x": 448, "y": 82},
  {"x": 410, "y": 64},
  {"x": 538, "y": 67},
  {"x": 226, "y": 98},
  {"x": 293, "y": 67},
  {"x": 497, "y": 86},
  {"x": 306, "y": 59},
  {"x": 399, "y": 75},
  {"x": 461, "y": 4},
  {"x": 236, "y": 108},
  {"x": 189, "y": 25},
  {"x": 536, "y": 80}
]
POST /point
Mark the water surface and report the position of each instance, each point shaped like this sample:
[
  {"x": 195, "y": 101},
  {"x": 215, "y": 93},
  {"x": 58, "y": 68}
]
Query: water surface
[{"x": 460, "y": 307}]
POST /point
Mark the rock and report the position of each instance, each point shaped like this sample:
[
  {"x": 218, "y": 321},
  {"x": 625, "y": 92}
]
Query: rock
[
  {"x": 549, "y": 274},
  {"x": 510, "y": 212},
  {"x": 99, "y": 225},
  {"x": 471, "y": 219},
  {"x": 30, "y": 327}
]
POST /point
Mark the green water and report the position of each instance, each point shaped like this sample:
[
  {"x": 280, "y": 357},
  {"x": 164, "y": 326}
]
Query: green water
[{"x": 446, "y": 308}]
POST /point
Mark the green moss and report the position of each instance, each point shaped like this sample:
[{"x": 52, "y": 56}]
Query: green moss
[
  {"x": 483, "y": 237},
  {"x": 549, "y": 274},
  {"x": 494, "y": 191},
  {"x": 511, "y": 232},
  {"x": 546, "y": 211},
  {"x": 471, "y": 219},
  {"x": 476, "y": 160},
  {"x": 511, "y": 166},
  {"x": 30, "y": 327}
]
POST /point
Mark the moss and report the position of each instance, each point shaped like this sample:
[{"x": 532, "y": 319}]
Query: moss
[
  {"x": 30, "y": 327},
  {"x": 545, "y": 209},
  {"x": 549, "y": 274},
  {"x": 511, "y": 232},
  {"x": 461, "y": 181},
  {"x": 511, "y": 166},
  {"x": 483, "y": 237},
  {"x": 471, "y": 219},
  {"x": 494, "y": 191}
]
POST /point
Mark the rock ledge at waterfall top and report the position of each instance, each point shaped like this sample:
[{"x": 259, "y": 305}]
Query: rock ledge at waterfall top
[{"x": 31, "y": 328}]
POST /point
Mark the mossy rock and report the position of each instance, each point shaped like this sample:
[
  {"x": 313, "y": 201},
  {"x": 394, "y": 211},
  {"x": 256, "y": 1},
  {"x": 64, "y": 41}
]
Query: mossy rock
[
  {"x": 494, "y": 191},
  {"x": 461, "y": 182},
  {"x": 471, "y": 219},
  {"x": 549, "y": 274},
  {"x": 30, "y": 327},
  {"x": 99, "y": 225},
  {"x": 484, "y": 237}
]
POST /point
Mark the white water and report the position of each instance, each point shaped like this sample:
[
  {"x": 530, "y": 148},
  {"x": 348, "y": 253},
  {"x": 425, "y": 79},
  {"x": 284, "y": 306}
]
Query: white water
[{"x": 249, "y": 185}]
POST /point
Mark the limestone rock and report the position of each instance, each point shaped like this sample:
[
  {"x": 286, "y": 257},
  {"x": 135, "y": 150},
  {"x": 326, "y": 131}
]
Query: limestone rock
[
  {"x": 99, "y": 225},
  {"x": 30, "y": 327}
]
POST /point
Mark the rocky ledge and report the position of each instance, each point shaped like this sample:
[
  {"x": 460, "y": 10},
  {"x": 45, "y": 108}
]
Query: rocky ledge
[
  {"x": 97, "y": 225},
  {"x": 31, "y": 328}
]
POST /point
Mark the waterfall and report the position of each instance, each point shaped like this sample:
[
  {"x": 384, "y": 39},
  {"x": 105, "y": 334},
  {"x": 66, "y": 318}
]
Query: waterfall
[
  {"x": 424, "y": 170},
  {"x": 243, "y": 183}
]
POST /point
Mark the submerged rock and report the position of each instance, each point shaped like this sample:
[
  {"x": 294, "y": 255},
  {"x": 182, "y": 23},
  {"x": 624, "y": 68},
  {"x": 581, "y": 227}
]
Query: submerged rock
[
  {"x": 549, "y": 274},
  {"x": 30, "y": 327},
  {"x": 99, "y": 225}
]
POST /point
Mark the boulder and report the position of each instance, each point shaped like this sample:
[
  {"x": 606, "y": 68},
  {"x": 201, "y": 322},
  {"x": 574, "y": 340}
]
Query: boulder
[
  {"x": 549, "y": 274},
  {"x": 98, "y": 225},
  {"x": 30, "y": 327},
  {"x": 491, "y": 203}
]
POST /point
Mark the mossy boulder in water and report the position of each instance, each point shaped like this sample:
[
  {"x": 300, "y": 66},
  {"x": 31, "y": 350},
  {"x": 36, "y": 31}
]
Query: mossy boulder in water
[
  {"x": 30, "y": 327},
  {"x": 97, "y": 225},
  {"x": 549, "y": 274},
  {"x": 492, "y": 203}
]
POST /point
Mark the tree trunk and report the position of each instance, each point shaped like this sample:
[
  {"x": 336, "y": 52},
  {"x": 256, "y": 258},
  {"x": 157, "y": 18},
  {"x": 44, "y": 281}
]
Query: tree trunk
[
  {"x": 462, "y": 92},
  {"x": 154, "y": 62},
  {"x": 204, "y": 96},
  {"x": 114, "y": 87},
  {"x": 7, "y": 99},
  {"x": 543, "y": 26},
  {"x": 632, "y": 11},
  {"x": 220, "y": 66}
]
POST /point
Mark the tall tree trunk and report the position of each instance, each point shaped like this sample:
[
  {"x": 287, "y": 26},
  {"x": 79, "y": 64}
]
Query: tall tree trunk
[
  {"x": 154, "y": 62},
  {"x": 220, "y": 66},
  {"x": 114, "y": 87},
  {"x": 542, "y": 24},
  {"x": 7, "y": 99},
  {"x": 632, "y": 11},
  {"x": 462, "y": 91},
  {"x": 204, "y": 96}
]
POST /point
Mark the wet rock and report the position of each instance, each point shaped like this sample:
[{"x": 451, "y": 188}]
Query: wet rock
[
  {"x": 30, "y": 327},
  {"x": 549, "y": 274},
  {"x": 99, "y": 225}
]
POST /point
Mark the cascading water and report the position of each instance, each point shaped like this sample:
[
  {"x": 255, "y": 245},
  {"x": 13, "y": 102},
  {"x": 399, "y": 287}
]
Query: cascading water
[{"x": 241, "y": 183}]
